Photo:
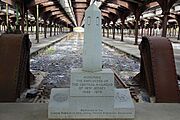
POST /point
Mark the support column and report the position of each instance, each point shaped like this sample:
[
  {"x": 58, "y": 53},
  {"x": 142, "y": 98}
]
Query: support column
[
  {"x": 31, "y": 28},
  {"x": 54, "y": 28},
  {"x": 136, "y": 31},
  {"x": 4, "y": 27},
  {"x": 113, "y": 29},
  {"x": 23, "y": 17},
  {"x": 153, "y": 29},
  {"x": 41, "y": 28},
  {"x": 117, "y": 30},
  {"x": 71, "y": 29},
  {"x": 37, "y": 23},
  {"x": 137, "y": 10},
  {"x": 165, "y": 6},
  {"x": 45, "y": 28},
  {"x": 170, "y": 32},
  {"x": 142, "y": 30},
  {"x": 27, "y": 23},
  {"x": 122, "y": 34},
  {"x": 122, "y": 28},
  {"x": 178, "y": 33},
  {"x": 63, "y": 29},
  {"x": 173, "y": 30},
  {"x": 150, "y": 31},
  {"x": 108, "y": 30},
  {"x": 164, "y": 26},
  {"x": 57, "y": 29},
  {"x": 151, "y": 24},
  {"x": 7, "y": 17},
  {"x": 50, "y": 24},
  {"x": 178, "y": 20},
  {"x": 129, "y": 32},
  {"x": 60, "y": 29},
  {"x": 103, "y": 31}
]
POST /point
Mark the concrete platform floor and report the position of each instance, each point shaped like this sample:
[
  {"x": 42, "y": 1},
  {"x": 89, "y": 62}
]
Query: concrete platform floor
[
  {"x": 25, "y": 111},
  {"x": 128, "y": 47},
  {"x": 44, "y": 42}
]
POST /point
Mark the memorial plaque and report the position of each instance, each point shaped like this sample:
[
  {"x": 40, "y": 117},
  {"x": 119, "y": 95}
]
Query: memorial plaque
[
  {"x": 92, "y": 104},
  {"x": 119, "y": 106},
  {"x": 92, "y": 83}
]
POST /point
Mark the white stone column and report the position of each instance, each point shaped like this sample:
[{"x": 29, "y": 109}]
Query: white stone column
[{"x": 92, "y": 49}]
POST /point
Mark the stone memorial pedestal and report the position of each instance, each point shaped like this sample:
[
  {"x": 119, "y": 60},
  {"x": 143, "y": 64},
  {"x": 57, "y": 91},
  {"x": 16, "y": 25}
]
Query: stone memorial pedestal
[{"x": 91, "y": 95}]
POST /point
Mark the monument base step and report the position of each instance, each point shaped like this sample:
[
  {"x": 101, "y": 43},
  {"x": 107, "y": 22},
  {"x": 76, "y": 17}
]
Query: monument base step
[{"x": 63, "y": 106}]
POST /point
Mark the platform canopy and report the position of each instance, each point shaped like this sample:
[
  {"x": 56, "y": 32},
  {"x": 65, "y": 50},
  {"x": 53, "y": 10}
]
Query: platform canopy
[{"x": 71, "y": 12}]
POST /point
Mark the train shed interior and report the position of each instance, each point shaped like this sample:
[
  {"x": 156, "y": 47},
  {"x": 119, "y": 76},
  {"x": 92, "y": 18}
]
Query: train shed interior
[{"x": 42, "y": 42}]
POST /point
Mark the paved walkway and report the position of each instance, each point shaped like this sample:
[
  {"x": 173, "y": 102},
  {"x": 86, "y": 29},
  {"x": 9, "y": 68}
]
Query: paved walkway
[
  {"x": 132, "y": 50},
  {"x": 44, "y": 42}
]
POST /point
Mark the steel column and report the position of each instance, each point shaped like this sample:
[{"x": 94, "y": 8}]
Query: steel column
[
  {"x": 113, "y": 29},
  {"x": 7, "y": 17},
  {"x": 27, "y": 23},
  {"x": 37, "y": 23}
]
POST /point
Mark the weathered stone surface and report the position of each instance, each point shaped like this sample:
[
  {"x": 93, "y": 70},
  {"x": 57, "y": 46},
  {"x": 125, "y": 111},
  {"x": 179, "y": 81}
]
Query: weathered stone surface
[
  {"x": 92, "y": 49},
  {"x": 93, "y": 105},
  {"x": 64, "y": 107}
]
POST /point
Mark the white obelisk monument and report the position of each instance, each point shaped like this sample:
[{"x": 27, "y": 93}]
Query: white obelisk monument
[
  {"x": 92, "y": 94},
  {"x": 92, "y": 52}
]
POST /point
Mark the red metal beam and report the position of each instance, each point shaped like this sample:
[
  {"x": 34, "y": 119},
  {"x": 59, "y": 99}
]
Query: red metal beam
[
  {"x": 56, "y": 13},
  {"x": 122, "y": 3},
  {"x": 80, "y": 5},
  {"x": 105, "y": 14},
  {"x": 112, "y": 10},
  {"x": 36, "y": 2},
  {"x": 152, "y": 4},
  {"x": 45, "y": 4},
  {"x": 10, "y": 2},
  {"x": 51, "y": 8}
]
